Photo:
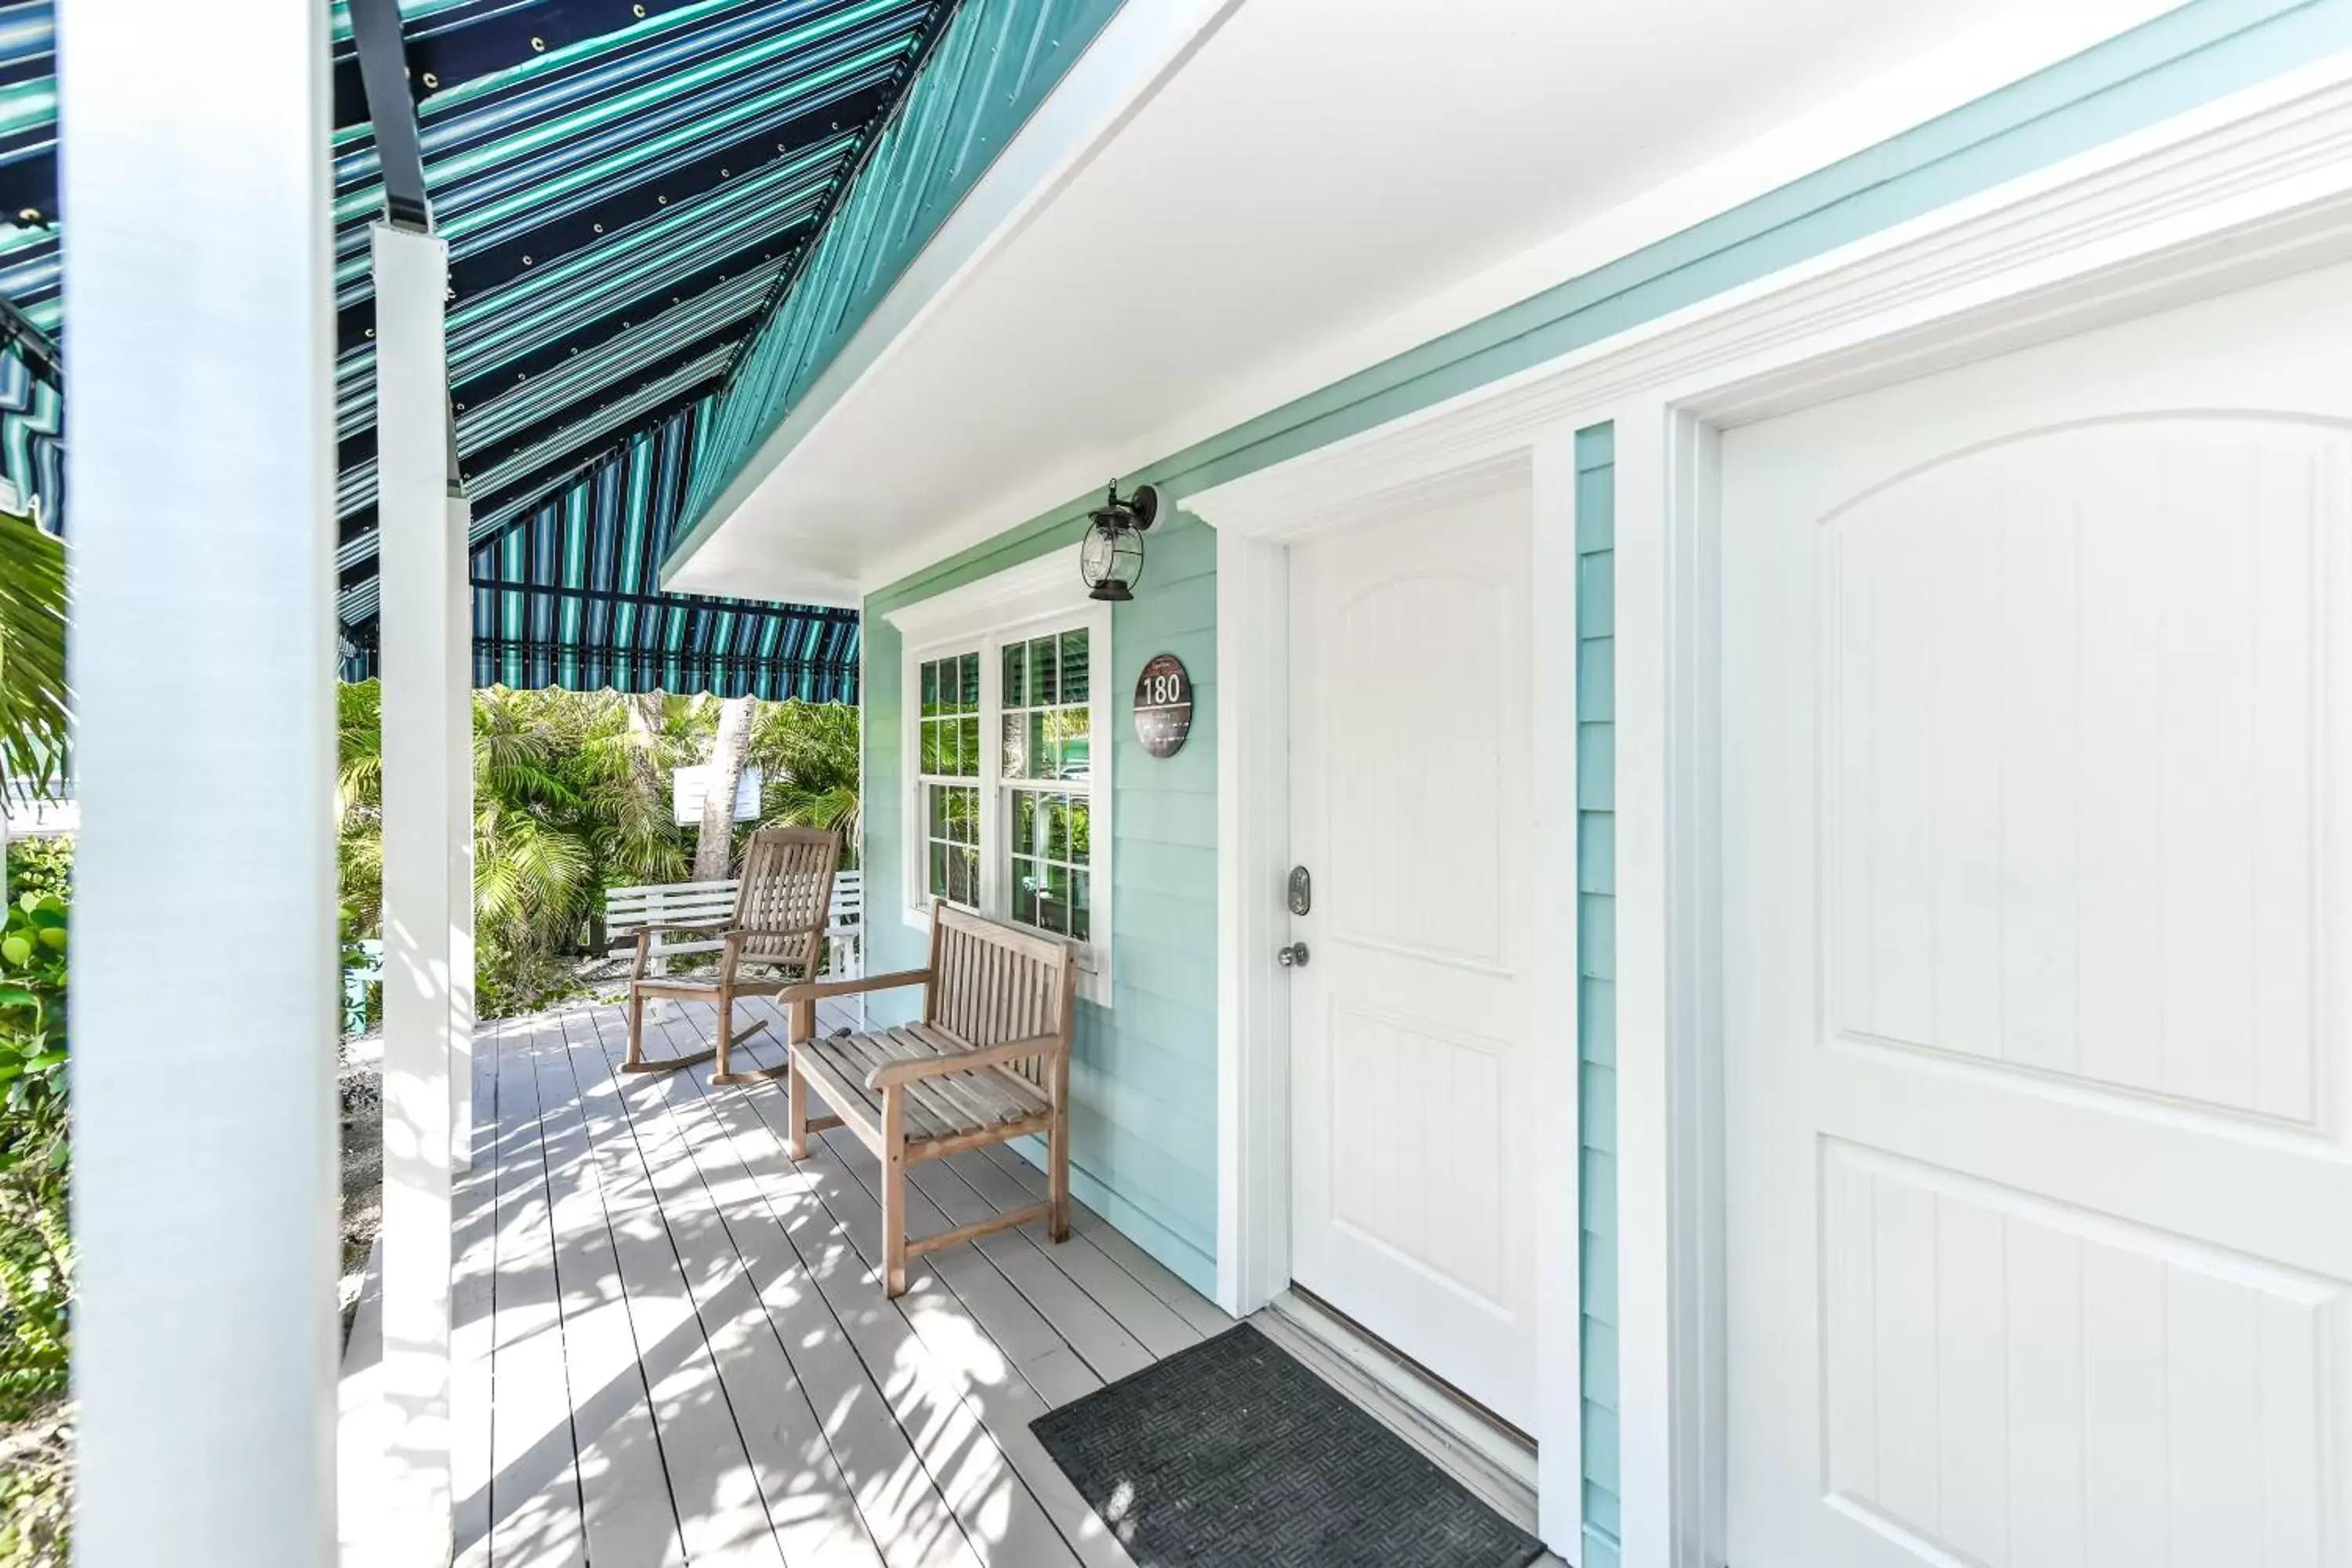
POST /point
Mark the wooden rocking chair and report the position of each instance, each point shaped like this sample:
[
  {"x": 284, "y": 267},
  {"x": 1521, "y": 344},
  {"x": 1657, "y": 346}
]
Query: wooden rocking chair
[{"x": 782, "y": 910}]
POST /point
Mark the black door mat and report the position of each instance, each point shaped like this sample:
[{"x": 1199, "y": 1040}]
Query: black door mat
[{"x": 1233, "y": 1452}]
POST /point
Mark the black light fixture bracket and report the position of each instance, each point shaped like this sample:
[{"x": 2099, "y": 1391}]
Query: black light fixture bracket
[{"x": 1138, "y": 509}]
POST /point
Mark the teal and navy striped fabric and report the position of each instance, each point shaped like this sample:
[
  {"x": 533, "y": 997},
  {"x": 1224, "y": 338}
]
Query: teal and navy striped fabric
[
  {"x": 625, "y": 186},
  {"x": 563, "y": 595},
  {"x": 32, "y": 444}
]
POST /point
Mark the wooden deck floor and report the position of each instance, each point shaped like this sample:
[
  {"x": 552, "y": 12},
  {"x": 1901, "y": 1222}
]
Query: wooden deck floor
[{"x": 671, "y": 1345}]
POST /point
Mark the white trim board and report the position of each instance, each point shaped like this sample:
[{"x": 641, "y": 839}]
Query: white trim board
[{"x": 2249, "y": 188}]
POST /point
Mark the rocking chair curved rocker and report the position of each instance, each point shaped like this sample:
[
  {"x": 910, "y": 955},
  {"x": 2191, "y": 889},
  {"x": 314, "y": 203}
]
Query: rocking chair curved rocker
[{"x": 782, "y": 910}]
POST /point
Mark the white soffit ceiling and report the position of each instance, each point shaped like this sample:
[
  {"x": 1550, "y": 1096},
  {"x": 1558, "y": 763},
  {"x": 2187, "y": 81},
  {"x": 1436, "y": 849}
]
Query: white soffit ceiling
[{"x": 1316, "y": 185}]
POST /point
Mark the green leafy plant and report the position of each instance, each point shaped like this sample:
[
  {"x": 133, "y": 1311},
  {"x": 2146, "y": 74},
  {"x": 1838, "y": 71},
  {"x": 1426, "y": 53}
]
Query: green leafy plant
[
  {"x": 36, "y": 1248},
  {"x": 572, "y": 796},
  {"x": 36, "y": 1489},
  {"x": 807, "y": 754},
  {"x": 41, "y": 865},
  {"x": 34, "y": 700},
  {"x": 363, "y": 984}
]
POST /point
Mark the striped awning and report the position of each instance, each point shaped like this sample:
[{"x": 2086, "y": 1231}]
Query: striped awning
[
  {"x": 627, "y": 188},
  {"x": 563, "y": 595}
]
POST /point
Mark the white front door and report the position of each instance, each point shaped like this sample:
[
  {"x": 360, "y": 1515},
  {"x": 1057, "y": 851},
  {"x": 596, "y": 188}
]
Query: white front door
[
  {"x": 2037, "y": 780},
  {"x": 1411, "y": 807}
]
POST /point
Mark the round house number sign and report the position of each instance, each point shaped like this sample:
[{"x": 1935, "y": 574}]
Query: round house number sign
[{"x": 1164, "y": 705}]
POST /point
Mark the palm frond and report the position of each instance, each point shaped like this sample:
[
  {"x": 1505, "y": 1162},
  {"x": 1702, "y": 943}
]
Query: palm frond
[{"x": 35, "y": 703}]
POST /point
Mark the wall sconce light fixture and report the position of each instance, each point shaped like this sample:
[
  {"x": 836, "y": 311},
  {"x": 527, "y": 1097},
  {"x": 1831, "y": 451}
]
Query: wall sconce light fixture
[{"x": 1111, "y": 561}]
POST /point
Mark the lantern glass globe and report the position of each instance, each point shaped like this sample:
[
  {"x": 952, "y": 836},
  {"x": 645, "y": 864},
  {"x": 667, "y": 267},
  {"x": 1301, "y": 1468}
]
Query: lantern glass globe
[{"x": 1111, "y": 561}]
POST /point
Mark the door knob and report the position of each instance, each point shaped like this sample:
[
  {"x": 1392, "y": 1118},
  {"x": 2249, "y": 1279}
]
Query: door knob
[{"x": 1292, "y": 957}]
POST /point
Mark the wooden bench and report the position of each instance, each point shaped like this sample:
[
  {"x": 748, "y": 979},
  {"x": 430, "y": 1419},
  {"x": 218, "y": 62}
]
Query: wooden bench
[
  {"x": 660, "y": 905},
  {"x": 989, "y": 1061}
]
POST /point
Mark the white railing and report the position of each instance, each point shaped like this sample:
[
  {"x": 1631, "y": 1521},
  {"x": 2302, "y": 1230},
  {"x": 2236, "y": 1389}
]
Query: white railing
[{"x": 628, "y": 909}]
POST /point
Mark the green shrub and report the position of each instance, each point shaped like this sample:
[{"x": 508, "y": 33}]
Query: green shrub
[
  {"x": 35, "y": 1249},
  {"x": 37, "y": 1491},
  {"x": 35, "y": 1245},
  {"x": 41, "y": 865}
]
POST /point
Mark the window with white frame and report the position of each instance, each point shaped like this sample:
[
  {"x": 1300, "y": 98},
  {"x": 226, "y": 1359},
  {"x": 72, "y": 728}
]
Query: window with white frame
[
  {"x": 1010, "y": 743},
  {"x": 948, "y": 763},
  {"x": 1048, "y": 780}
]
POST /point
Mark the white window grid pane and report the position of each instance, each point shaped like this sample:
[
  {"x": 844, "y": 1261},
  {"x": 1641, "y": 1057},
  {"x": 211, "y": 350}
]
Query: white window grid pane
[
  {"x": 1047, "y": 731},
  {"x": 1049, "y": 844},
  {"x": 952, "y": 842}
]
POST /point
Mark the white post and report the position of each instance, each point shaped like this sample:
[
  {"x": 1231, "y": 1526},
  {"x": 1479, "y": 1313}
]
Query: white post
[
  {"x": 204, "y": 988},
  {"x": 1646, "y": 1395},
  {"x": 420, "y": 860},
  {"x": 459, "y": 699}
]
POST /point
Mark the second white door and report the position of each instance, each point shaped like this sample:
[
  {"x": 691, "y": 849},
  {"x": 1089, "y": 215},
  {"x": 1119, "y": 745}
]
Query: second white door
[
  {"x": 2038, "y": 710},
  {"x": 1411, "y": 809}
]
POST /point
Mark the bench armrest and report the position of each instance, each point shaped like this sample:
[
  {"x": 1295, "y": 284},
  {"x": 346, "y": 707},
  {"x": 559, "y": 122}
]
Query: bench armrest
[
  {"x": 817, "y": 988},
  {"x": 892, "y": 1074}
]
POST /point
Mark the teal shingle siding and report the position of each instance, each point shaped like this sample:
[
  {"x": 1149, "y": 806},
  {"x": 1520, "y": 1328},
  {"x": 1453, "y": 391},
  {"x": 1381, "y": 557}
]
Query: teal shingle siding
[
  {"x": 1596, "y": 968},
  {"x": 1144, "y": 1071}
]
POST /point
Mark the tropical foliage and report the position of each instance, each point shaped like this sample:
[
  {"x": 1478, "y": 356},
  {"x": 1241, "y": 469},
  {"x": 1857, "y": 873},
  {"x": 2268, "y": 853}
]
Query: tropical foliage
[
  {"x": 36, "y": 1248},
  {"x": 33, "y": 699},
  {"x": 572, "y": 796},
  {"x": 807, "y": 755}
]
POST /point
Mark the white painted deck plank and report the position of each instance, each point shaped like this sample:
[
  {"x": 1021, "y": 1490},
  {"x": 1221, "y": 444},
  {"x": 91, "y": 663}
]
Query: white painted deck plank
[
  {"x": 1091, "y": 1305},
  {"x": 1143, "y": 1316},
  {"x": 688, "y": 1347},
  {"x": 879, "y": 1374},
  {"x": 722, "y": 1516},
  {"x": 1206, "y": 1317},
  {"x": 1007, "y": 1317},
  {"x": 623, "y": 1485},
  {"x": 995, "y": 1381},
  {"x": 473, "y": 1278},
  {"x": 534, "y": 1515},
  {"x": 749, "y": 1314},
  {"x": 1077, "y": 1319},
  {"x": 1005, "y": 1519}
]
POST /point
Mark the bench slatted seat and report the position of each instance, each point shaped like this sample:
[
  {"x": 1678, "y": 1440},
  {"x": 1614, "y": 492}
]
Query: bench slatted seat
[{"x": 988, "y": 1061}]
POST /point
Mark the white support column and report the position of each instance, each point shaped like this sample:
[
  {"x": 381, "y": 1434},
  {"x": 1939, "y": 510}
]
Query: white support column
[
  {"x": 459, "y": 689},
  {"x": 422, "y": 833},
  {"x": 1646, "y": 1304},
  {"x": 204, "y": 988}
]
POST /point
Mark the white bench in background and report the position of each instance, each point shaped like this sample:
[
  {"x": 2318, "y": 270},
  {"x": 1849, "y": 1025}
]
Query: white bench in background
[{"x": 692, "y": 903}]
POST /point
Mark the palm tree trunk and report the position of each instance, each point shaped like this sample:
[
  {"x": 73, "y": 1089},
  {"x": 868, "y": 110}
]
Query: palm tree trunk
[
  {"x": 714, "y": 849},
  {"x": 644, "y": 710}
]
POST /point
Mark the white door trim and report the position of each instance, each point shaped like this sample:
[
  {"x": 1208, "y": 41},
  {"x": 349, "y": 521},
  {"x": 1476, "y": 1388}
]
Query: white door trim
[{"x": 2252, "y": 186}]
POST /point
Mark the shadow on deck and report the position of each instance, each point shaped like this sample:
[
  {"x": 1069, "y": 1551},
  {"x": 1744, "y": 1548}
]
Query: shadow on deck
[{"x": 671, "y": 1343}]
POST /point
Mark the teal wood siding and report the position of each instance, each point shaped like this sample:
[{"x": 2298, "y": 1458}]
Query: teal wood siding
[
  {"x": 1596, "y": 968},
  {"x": 1143, "y": 1071}
]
